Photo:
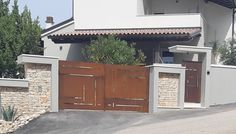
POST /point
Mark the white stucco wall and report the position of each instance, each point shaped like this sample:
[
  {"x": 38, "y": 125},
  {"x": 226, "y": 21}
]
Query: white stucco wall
[
  {"x": 65, "y": 51},
  {"x": 171, "y": 6},
  {"x": 111, "y": 14},
  {"x": 90, "y": 13},
  {"x": 126, "y": 14},
  {"x": 140, "y": 7},
  {"x": 217, "y": 19},
  {"x": 223, "y": 85}
]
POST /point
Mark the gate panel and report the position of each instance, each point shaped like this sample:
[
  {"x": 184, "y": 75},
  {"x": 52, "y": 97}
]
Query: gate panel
[
  {"x": 81, "y": 85},
  {"x": 126, "y": 88}
]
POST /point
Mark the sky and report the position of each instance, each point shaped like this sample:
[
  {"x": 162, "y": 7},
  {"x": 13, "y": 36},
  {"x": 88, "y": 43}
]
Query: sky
[{"x": 60, "y": 9}]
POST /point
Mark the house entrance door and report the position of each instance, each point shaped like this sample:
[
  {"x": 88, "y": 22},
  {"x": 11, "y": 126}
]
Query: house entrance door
[{"x": 193, "y": 81}]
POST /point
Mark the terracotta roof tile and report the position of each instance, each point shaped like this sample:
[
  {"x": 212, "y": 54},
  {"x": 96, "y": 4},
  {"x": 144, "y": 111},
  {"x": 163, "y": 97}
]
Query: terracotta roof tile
[{"x": 141, "y": 31}]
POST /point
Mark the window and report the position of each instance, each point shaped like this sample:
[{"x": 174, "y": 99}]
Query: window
[{"x": 167, "y": 57}]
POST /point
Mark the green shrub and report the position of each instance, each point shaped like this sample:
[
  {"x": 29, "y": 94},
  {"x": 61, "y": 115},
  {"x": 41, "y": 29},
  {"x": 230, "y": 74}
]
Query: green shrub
[
  {"x": 228, "y": 52},
  {"x": 9, "y": 114},
  {"x": 111, "y": 50}
]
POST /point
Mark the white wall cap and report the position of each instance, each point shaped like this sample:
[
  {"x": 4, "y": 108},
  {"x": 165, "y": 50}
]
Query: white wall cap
[
  {"x": 21, "y": 83},
  {"x": 169, "y": 14},
  {"x": 223, "y": 66},
  {"x": 27, "y": 58},
  {"x": 179, "y": 66},
  {"x": 189, "y": 49}
]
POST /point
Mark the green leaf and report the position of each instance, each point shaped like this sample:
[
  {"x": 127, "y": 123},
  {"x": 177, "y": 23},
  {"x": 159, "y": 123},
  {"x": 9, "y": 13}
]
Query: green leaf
[
  {"x": 9, "y": 114},
  {"x": 112, "y": 50},
  {"x": 18, "y": 34}
]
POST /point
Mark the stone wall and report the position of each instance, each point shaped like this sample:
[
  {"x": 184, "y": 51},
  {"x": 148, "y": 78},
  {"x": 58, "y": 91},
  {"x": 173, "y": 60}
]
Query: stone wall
[
  {"x": 35, "y": 98},
  {"x": 168, "y": 90}
]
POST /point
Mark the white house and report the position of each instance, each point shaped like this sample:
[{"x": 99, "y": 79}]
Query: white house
[
  {"x": 154, "y": 25},
  {"x": 168, "y": 31}
]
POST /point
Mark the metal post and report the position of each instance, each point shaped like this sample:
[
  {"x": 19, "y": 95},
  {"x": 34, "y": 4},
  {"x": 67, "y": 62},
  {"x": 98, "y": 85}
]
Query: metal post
[{"x": 1, "y": 108}]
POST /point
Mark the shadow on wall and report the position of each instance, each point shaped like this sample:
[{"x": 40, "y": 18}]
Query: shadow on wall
[
  {"x": 219, "y": 22},
  {"x": 74, "y": 52},
  {"x": 179, "y": 58}
]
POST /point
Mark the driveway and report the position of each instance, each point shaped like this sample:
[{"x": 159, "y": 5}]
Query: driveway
[{"x": 215, "y": 120}]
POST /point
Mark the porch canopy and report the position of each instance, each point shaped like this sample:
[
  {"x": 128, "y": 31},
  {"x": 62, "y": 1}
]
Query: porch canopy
[
  {"x": 170, "y": 34},
  {"x": 226, "y": 3}
]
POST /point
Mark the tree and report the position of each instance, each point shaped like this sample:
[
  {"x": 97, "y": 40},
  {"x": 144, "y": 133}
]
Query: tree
[
  {"x": 215, "y": 49},
  {"x": 19, "y": 34},
  {"x": 111, "y": 50},
  {"x": 228, "y": 52}
]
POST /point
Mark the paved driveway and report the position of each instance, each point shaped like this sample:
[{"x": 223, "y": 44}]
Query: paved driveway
[{"x": 221, "y": 119}]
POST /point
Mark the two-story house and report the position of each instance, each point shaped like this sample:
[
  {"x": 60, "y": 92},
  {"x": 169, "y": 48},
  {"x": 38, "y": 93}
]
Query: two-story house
[
  {"x": 154, "y": 25},
  {"x": 168, "y": 31}
]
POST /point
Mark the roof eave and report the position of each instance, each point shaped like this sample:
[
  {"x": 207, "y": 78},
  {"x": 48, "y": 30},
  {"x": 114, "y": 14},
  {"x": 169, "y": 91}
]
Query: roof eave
[
  {"x": 51, "y": 29},
  {"x": 163, "y": 37}
]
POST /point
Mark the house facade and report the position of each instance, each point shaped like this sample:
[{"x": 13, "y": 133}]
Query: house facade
[
  {"x": 174, "y": 32},
  {"x": 154, "y": 25}
]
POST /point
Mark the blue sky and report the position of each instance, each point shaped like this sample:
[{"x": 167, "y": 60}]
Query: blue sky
[{"x": 59, "y": 9}]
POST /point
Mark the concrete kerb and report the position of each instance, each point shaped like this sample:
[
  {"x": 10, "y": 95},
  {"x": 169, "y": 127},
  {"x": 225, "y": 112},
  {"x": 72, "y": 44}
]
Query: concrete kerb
[{"x": 54, "y": 62}]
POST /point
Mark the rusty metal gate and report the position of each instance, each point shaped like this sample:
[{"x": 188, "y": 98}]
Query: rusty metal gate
[
  {"x": 126, "y": 88},
  {"x": 103, "y": 87}
]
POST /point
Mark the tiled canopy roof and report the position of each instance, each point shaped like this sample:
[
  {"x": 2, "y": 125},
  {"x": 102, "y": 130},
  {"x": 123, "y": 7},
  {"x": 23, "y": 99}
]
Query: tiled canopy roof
[{"x": 140, "y": 31}]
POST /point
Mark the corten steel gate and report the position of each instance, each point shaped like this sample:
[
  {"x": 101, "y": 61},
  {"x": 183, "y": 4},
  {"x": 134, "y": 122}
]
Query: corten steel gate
[
  {"x": 103, "y": 87},
  {"x": 126, "y": 88},
  {"x": 81, "y": 85}
]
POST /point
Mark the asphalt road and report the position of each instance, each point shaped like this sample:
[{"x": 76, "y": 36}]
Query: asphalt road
[{"x": 216, "y": 120}]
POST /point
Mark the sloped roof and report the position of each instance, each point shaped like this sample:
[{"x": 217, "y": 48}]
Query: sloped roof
[
  {"x": 57, "y": 25},
  {"x": 136, "y": 34},
  {"x": 137, "y": 31}
]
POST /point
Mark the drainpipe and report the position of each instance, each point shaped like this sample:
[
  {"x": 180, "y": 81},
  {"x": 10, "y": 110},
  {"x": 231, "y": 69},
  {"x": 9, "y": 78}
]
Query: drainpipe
[
  {"x": 233, "y": 23},
  {"x": 233, "y": 19}
]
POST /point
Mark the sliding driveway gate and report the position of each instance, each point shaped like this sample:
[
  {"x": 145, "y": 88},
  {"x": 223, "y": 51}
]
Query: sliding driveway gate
[{"x": 95, "y": 86}]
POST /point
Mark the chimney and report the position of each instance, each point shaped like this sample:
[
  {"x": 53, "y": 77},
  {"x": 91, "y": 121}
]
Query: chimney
[{"x": 49, "y": 22}]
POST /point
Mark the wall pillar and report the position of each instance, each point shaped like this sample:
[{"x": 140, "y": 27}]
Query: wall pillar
[
  {"x": 53, "y": 63},
  {"x": 153, "y": 90},
  {"x": 206, "y": 72},
  {"x": 154, "y": 81}
]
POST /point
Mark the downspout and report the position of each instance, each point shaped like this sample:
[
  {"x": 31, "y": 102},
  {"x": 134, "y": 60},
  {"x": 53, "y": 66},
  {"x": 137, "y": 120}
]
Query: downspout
[
  {"x": 233, "y": 20},
  {"x": 73, "y": 9},
  {"x": 233, "y": 24}
]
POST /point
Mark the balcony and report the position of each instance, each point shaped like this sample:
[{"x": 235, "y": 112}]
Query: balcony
[
  {"x": 170, "y": 21},
  {"x": 144, "y": 21}
]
